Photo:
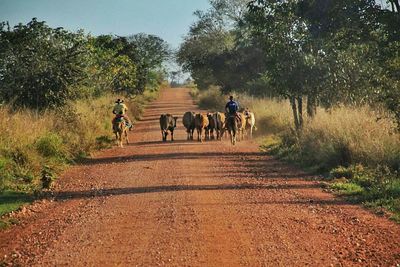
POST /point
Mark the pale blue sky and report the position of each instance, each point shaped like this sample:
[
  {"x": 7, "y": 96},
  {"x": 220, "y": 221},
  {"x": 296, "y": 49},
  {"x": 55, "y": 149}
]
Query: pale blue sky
[{"x": 169, "y": 19}]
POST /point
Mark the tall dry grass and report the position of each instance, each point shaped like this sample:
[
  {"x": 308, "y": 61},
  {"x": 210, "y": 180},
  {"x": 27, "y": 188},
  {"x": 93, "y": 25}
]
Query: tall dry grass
[
  {"x": 35, "y": 144},
  {"x": 340, "y": 136}
]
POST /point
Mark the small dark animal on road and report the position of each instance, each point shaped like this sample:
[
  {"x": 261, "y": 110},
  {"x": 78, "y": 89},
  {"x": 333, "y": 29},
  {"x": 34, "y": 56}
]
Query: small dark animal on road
[
  {"x": 211, "y": 127},
  {"x": 188, "y": 122},
  {"x": 167, "y": 123}
]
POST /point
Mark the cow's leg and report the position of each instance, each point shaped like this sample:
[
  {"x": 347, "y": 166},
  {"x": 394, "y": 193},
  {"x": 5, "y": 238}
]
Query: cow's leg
[
  {"x": 172, "y": 135},
  {"x": 164, "y": 134}
]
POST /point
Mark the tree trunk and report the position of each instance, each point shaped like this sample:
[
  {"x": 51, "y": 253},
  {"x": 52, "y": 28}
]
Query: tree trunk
[
  {"x": 311, "y": 106},
  {"x": 300, "y": 108},
  {"x": 294, "y": 109},
  {"x": 395, "y": 5}
]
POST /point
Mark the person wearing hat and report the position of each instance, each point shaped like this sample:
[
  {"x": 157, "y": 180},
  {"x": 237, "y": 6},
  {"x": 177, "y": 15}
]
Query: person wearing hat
[{"x": 120, "y": 110}]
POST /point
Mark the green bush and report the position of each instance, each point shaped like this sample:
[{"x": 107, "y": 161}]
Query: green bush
[
  {"x": 51, "y": 145},
  {"x": 348, "y": 189},
  {"x": 212, "y": 99}
]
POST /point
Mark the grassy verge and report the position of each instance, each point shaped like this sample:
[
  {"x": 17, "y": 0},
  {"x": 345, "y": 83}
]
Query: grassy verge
[
  {"x": 358, "y": 153},
  {"x": 35, "y": 148}
]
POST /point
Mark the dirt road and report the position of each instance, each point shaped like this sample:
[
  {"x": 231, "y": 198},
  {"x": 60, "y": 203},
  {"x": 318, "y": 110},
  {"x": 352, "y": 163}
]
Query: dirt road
[{"x": 191, "y": 204}]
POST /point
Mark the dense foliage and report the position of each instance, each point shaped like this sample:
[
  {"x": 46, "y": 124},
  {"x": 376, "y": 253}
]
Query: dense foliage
[
  {"x": 322, "y": 53},
  {"x": 42, "y": 67}
]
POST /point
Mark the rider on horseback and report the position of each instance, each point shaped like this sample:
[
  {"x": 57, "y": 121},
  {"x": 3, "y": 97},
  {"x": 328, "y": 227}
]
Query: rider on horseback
[
  {"x": 120, "y": 110},
  {"x": 232, "y": 108}
]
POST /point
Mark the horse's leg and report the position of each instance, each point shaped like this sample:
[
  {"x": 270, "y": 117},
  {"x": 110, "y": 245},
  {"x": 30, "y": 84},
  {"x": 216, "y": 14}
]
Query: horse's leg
[
  {"x": 119, "y": 139},
  {"x": 126, "y": 137}
]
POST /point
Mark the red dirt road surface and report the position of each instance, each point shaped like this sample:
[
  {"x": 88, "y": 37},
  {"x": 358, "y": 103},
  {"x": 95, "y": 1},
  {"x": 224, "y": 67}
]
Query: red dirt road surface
[{"x": 186, "y": 203}]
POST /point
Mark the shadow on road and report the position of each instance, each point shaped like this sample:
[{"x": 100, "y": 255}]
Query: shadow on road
[
  {"x": 66, "y": 195},
  {"x": 168, "y": 156}
]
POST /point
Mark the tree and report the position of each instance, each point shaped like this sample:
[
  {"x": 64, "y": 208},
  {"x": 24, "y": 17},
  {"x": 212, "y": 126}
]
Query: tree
[{"x": 39, "y": 66}]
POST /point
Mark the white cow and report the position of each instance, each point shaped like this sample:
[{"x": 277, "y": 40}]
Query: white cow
[{"x": 250, "y": 121}]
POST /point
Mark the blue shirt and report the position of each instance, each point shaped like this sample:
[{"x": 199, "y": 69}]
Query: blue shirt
[{"x": 232, "y": 106}]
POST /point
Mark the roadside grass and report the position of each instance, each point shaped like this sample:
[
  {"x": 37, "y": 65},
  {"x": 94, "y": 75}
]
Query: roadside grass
[
  {"x": 357, "y": 149},
  {"x": 36, "y": 147},
  {"x": 10, "y": 201}
]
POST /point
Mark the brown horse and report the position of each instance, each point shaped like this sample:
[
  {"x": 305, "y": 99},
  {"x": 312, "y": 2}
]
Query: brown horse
[
  {"x": 232, "y": 127},
  {"x": 120, "y": 128}
]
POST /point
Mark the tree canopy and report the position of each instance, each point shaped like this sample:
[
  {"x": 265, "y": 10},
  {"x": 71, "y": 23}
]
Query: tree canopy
[{"x": 314, "y": 51}]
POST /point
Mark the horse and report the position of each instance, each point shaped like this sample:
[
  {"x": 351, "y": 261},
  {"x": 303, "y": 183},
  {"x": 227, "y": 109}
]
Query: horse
[
  {"x": 232, "y": 127},
  {"x": 120, "y": 128}
]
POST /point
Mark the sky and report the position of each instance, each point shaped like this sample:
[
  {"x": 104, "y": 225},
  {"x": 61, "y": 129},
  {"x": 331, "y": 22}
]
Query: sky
[{"x": 169, "y": 19}]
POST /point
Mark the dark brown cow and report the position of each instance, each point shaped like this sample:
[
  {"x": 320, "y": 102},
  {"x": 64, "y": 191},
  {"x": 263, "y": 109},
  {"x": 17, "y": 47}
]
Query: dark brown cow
[
  {"x": 167, "y": 123},
  {"x": 211, "y": 126},
  {"x": 188, "y": 122}
]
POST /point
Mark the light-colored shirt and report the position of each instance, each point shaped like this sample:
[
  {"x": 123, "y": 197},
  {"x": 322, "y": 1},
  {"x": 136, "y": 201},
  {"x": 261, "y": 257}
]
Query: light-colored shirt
[{"x": 120, "y": 108}]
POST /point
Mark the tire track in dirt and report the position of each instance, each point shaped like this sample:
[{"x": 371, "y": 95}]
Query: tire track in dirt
[{"x": 190, "y": 204}]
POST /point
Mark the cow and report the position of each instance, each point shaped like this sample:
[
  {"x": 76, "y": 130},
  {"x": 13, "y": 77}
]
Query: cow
[
  {"x": 201, "y": 123},
  {"x": 211, "y": 126},
  {"x": 219, "y": 119},
  {"x": 167, "y": 123},
  {"x": 241, "y": 126},
  {"x": 250, "y": 121},
  {"x": 188, "y": 122}
]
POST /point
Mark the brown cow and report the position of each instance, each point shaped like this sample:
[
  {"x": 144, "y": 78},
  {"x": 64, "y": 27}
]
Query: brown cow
[
  {"x": 201, "y": 123},
  {"x": 219, "y": 119}
]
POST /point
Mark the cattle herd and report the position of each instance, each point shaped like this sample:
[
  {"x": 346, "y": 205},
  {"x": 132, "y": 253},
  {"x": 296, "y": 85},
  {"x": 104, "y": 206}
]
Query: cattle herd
[{"x": 210, "y": 126}]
